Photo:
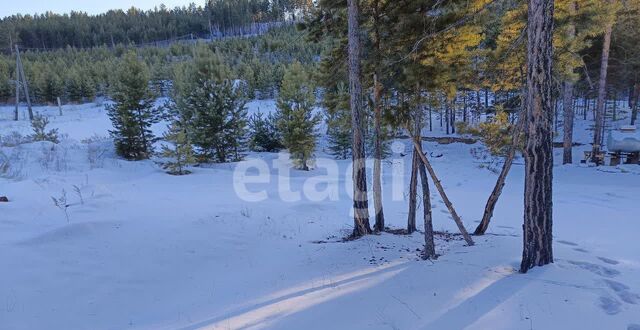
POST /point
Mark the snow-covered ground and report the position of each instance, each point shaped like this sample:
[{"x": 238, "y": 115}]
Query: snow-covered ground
[{"x": 145, "y": 250}]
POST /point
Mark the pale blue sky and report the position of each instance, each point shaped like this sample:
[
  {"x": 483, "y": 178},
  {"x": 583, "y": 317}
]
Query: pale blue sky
[{"x": 10, "y": 7}]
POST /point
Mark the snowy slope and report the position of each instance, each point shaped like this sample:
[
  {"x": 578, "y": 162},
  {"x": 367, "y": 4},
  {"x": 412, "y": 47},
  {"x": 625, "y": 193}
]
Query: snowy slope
[{"x": 146, "y": 250}]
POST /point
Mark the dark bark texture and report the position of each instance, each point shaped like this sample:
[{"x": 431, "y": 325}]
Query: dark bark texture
[
  {"x": 602, "y": 91},
  {"x": 538, "y": 151},
  {"x": 413, "y": 193},
  {"x": 568, "y": 114},
  {"x": 429, "y": 244},
  {"x": 360, "y": 201}
]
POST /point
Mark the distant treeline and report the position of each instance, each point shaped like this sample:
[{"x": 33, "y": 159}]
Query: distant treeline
[
  {"x": 134, "y": 26},
  {"x": 79, "y": 75}
]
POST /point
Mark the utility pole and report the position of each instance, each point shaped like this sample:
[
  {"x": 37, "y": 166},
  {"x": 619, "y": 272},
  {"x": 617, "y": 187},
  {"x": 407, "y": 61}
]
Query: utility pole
[
  {"x": 15, "y": 117},
  {"x": 25, "y": 85},
  {"x": 59, "y": 106}
]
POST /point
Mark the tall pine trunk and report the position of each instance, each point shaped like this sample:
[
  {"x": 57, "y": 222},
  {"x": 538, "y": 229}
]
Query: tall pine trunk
[
  {"x": 360, "y": 202},
  {"x": 602, "y": 91},
  {"x": 377, "y": 125},
  {"x": 567, "y": 109},
  {"x": 413, "y": 193},
  {"x": 634, "y": 106},
  {"x": 377, "y": 162},
  {"x": 429, "y": 244},
  {"x": 538, "y": 151}
]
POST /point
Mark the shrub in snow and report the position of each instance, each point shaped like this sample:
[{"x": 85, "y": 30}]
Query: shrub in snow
[
  {"x": 40, "y": 133},
  {"x": 13, "y": 139},
  {"x": 264, "y": 134}
]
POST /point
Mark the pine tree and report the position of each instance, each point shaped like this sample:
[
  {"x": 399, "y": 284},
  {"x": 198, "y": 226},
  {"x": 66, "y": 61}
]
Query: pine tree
[
  {"x": 338, "y": 120},
  {"x": 263, "y": 133},
  {"x": 40, "y": 133},
  {"x": 296, "y": 120},
  {"x": 132, "y": 113},
  {"x": 217, "y": 120},
  {"x": 181, "y": 154}
]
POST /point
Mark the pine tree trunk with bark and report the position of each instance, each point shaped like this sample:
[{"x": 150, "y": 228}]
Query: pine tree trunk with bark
[
  {"x": 568, "y": 114},
  {"x": 429, "y": 243},
  {"x": 360, "y": 201},
  {"x": 377, "y": 161},
  {"x": 602, "y": 92},
  {"x": 413, "y": 192},
  {"x": 538, "y": 150},
  {"x": 634, "y": 106}
]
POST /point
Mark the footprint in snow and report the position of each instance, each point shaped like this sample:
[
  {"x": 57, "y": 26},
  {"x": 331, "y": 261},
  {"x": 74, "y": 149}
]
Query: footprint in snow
[
  {"x": 581, "y": 250},
  {"x": 567, "y": 243},
  {"x": 623, "y": 292},
  {"x": 596, "y": 269},
  {"x": 610, "y": 305},
  {"x": 633, "y": 327},
  {"x": 609, "y": 261}
]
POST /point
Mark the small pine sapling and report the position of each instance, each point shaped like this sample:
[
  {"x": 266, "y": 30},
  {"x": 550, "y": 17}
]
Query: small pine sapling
[
  {"x": 181, "y": 154},
  {"x": 264, "y": 134},
  {"x": 40, "y": 133}
]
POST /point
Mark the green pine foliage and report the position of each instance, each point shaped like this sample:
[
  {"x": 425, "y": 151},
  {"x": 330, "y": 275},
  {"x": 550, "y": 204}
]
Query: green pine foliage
[
  {"x": 181, "y": 152},
  {"x": 40, "y": 133},
  {"x": 296, "y": 120},
  {"x": 133, "y": 112},
  {"x": 216, "y": 116},
  {"x": 263, "y": 133},
  {"x": 338, "y": 120},
  {"x": 79, "y": 75},
  {"x": 135, "y": 26},
  {"x": 6, "y": 88}
]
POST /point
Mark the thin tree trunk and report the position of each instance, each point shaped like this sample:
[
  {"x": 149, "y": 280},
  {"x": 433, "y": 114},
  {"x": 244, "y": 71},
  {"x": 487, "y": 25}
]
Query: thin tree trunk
[
  {"x": 413, "y": 192},
  {"x": 429, "y": 244},
  {"x": 444, "y": 196},
  {"x": 430, "y": 119},
  {"x": 567, "y": 109},
  {"x": 453, "y": 118},
  {"x": 447, "y": 117},
  {"x": 360, "y": 201},
  {"x": 538, "y": 151},
  {"x": 478, "y": 106},
  {"x": 587, "y": 103},
  {"x": 59, "y": 106},
  {"x": 614, "y": 109},
  {"x": 486, "y": 99},
  {"x": 634, "y": 108},
  {"x": 377, "y": 162},
  {"x": 506, "y": 167},
  {"x": 464, "y": 108},
  {"x": 602, "y": 92}
]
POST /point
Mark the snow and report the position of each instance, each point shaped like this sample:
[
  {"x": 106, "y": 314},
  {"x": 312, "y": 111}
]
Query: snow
[{"x": 146, "y": 250}]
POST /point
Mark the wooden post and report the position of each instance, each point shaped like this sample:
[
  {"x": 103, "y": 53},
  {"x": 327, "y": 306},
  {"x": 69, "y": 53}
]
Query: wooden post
[
  {"x": 438, "y": 184},
  {"x": 59, "y": 106},
  {"x": 15, "y": 117},
  {"x": 25, "y": 85}
]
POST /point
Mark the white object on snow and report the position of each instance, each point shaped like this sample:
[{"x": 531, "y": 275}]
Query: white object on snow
[{"x": 625, "y": 140}]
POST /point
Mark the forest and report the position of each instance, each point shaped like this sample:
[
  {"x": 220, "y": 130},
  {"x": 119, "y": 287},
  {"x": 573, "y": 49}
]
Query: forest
[{"x": 447, "y": 164}]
